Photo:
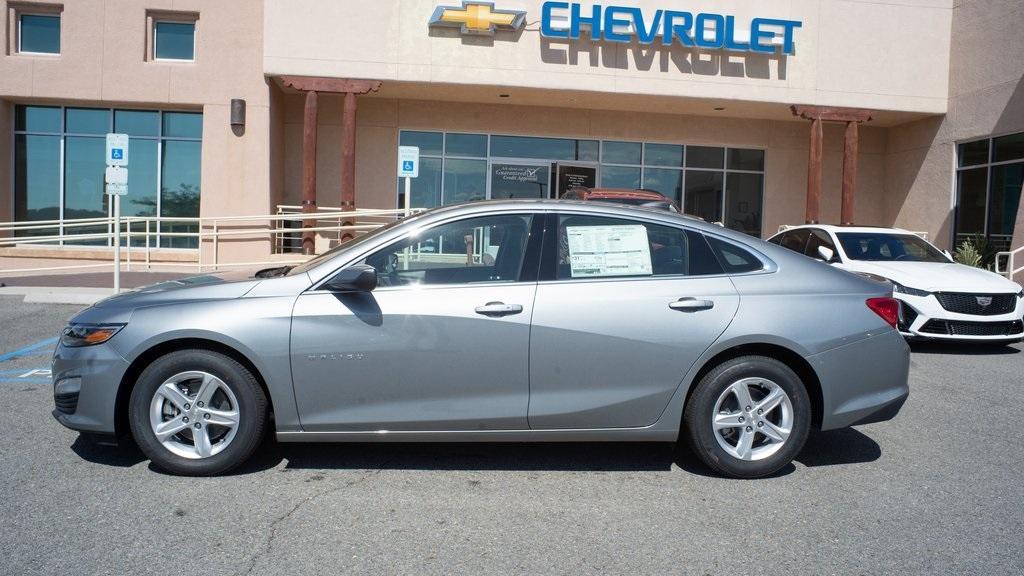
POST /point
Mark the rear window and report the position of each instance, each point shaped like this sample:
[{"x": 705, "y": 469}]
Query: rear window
[{"x": 734, "y": 259}]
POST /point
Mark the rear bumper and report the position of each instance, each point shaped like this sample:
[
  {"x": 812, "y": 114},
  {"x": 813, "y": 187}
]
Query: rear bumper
[{"x": 863, "y": 382}]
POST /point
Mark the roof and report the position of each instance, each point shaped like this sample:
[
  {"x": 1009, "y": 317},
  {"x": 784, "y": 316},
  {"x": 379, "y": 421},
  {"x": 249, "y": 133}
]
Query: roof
[{"x": 834, "y": 228}]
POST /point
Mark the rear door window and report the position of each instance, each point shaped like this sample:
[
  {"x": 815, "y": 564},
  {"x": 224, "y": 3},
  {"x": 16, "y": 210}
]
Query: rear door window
[
  {"x": 733, "y": 259},
  {"x": 591, "y": 247}
]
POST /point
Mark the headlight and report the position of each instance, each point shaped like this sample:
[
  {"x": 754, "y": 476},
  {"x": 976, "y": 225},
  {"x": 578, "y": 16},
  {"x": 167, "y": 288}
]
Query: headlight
[
  {"x": 897, "y": 287},
  {"x": 88, "y": 334}
]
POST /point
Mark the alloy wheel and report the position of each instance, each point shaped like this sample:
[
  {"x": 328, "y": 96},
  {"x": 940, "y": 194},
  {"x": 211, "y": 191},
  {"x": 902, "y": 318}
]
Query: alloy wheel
[
  {"x": 752, "y": 418},
  {"x": 194, "y": 414}
]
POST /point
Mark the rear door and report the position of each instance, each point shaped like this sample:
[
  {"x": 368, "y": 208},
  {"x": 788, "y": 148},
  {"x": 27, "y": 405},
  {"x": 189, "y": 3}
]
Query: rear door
[{"x": 623, "y": 310}]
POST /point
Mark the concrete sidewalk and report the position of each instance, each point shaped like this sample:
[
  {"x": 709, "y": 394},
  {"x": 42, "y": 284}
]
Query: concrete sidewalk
[{"x": 83, "y": 288}]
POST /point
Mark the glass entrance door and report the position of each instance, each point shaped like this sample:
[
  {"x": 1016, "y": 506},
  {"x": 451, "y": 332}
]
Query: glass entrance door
[
  {"x": 519, "y": 179},
  {"x": 570, "y": 175}
]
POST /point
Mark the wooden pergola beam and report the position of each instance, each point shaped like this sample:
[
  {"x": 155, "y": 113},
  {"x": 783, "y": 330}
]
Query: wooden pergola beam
[
  {"x": 330, "y": 85},
  {"x": 817, "y": 115},
  {"x": 831, "y": 113}
]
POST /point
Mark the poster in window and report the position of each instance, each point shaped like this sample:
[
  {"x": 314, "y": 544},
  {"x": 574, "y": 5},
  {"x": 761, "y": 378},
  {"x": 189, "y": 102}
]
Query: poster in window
[{"x": 600, "y": 251}]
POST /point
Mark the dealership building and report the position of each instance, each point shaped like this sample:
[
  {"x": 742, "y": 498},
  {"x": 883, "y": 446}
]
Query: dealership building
[{"x": 752, "y": 113}]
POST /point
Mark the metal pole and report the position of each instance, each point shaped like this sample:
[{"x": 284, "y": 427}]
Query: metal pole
[
  {"x": 117, "y": 242},
  {"x": 128, "y": 244},
  {"x": 408, "y": 194}
]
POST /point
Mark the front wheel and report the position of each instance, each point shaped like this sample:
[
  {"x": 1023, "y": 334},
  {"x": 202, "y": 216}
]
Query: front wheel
[
  {"x": 197, "y": 412},
  {"x": 748, "y": 417}
]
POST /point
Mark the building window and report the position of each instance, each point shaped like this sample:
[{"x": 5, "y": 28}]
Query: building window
[
  {"x": 718, "y": 184},
  {"x": 172, "y": 36},
  {"x": 989, "y": 177},
  {"x": 38, "y": 33},
  {"x": 59, "y": 165}
]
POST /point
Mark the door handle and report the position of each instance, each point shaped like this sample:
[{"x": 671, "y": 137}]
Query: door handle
[
  {"x": 499, "y": 309},
  {"x": 691, "y": 304}
]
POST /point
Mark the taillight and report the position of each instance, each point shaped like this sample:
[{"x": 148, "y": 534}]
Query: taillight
[{"x": 888, "y": 309}]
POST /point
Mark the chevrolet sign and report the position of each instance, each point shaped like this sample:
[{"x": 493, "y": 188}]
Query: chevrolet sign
[{"x": 478, "y": 18}]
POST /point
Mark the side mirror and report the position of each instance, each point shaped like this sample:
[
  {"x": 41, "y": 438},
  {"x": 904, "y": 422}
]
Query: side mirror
[
  {"x": 826, "y": 253},
  {"x": 355, "y": 278}
]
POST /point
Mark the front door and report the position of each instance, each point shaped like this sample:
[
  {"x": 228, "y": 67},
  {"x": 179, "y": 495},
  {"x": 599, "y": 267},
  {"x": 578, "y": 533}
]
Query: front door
[
  {"x": 441, "y": 344},
  {"x": 623, "y": 310},
  {"x": 569, "y": 175}
]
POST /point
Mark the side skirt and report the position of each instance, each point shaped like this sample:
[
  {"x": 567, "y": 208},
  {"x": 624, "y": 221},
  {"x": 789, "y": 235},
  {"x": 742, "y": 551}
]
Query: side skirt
[{"x": 649, "y": 434}]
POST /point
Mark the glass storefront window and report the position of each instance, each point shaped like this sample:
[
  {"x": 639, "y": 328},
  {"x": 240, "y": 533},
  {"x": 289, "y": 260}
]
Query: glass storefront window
[
  {"x": 429, "y": 143},
  {"x": 743, "y": 202},
  {"x": 36, "y": 180},
  {"x": 86, "y": 121},
  {"x": 704, "y": 194},
  {"x": 663, "y": 155},
  {"x": 472, "y": 145},
  {"x": 665, "y": 180},
  {"x": 705, "y": 157},
  {"x": 459, "y": 167},
  {"x": 163, "y": 174},
  {"x": 137, "y": 123},
  {"x": 621, "y": 152},
  {"x": 740, "y": 159},
  {"x": 464, "y": 180},
  {"x": 620, "y": 176},
  {"x": 990, "y": 174}
]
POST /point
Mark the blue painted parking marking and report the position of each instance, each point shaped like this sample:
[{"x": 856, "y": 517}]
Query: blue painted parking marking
[{"x": 37, "y": 349}]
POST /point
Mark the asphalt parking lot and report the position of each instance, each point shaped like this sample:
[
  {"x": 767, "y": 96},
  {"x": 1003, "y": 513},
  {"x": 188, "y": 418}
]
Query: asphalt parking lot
[{"x": 938, "y": 490}]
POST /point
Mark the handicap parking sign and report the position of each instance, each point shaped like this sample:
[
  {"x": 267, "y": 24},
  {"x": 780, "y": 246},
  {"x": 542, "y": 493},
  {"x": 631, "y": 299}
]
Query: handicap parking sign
[
  {"x": 407, "y": 165},
  {"x": 408, "y": 161},
  {"x": 117, "y": 154}
]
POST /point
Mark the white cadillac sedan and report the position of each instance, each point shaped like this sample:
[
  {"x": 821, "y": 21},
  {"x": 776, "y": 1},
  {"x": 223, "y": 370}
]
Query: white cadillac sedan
[{"x": 939, "y": 299}]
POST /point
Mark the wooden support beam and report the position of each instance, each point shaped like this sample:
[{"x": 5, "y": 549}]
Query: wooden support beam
[
  {"x": 309, "y": 120},
  {"x": 348, "y": 157},
  {"x": 831, "y": 113},
  {"x": 814, "y": 174},
  {"x": 334, "y": 85},
  {"x": 849, "y": 173}
]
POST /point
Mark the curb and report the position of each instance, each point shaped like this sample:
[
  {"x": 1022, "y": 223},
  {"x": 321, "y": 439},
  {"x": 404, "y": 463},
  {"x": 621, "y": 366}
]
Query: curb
[{"x": 57, "y": 295}]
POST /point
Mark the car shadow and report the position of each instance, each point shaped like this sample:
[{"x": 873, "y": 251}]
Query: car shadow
[
  {"x": 964, "y": 348},
  {"x": 833, "y": 448}
]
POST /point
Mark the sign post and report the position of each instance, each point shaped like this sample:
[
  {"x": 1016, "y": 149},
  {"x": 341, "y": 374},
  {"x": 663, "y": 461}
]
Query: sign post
[
  {"x": 408, "y": 168},
  {"x": 116, "y": 178}
]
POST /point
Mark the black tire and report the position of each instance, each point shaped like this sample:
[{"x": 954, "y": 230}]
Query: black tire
[
  {"x": 252, "y": 408},
  {"x": 700, "y": 433}
]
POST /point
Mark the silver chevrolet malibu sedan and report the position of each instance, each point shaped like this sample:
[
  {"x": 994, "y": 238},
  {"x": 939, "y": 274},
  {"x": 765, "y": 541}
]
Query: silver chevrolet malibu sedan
[{"x": 500, "y": 321}]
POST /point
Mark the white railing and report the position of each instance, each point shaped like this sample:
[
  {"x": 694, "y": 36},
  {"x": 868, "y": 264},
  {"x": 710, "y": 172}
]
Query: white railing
[
  {"x": 145, "y": 233},
  {"x": 1011, "y": 262}
]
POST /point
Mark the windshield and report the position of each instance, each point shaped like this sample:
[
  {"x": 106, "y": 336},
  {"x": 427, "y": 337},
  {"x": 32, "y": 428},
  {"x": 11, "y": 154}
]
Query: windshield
[
  {"x": 881, "y": 247},
  {"x": 350, "y": 243}
]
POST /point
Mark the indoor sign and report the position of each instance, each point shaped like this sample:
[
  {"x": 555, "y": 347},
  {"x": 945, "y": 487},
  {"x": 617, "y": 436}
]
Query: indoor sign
[{"x": 626, "y": 24}]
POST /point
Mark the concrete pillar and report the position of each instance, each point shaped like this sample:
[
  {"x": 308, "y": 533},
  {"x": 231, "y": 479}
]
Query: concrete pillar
[
  {"x": 309, "y": 120},
  {"x": 849, "y": 173}
]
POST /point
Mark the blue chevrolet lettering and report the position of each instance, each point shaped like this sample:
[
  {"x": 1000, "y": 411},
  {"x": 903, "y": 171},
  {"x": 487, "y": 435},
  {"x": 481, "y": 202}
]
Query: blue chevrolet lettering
[{"x": 705, "y": 30}]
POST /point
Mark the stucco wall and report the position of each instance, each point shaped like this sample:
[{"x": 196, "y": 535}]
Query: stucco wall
[
  {"x": 103, "y": 63},
  {"x": 880, "y": 54},
  {"x": 986, "y": 98},
  {"x": 379, "y": 120}
]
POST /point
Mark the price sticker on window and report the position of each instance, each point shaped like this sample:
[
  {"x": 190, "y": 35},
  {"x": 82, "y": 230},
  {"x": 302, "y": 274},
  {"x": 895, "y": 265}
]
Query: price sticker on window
[{"x": 599, "y": 251}]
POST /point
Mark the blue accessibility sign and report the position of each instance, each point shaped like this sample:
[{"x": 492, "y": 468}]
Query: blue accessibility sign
[{"x": 117, "y": 153}]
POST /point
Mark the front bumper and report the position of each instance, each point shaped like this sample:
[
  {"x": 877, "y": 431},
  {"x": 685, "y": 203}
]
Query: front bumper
[
  {"x": 98, "y": 371},
  {"x": 863, "y": 382},
  {"x": 923, "y": 318}
]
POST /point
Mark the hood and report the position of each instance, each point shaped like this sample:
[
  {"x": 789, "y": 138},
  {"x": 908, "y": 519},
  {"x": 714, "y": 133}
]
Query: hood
[
  {"x": 223, "y": 285},
  {"x": 937, "y": 276}
]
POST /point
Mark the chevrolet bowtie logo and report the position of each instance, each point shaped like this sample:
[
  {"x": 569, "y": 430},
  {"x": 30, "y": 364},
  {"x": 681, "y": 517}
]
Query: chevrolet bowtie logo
[{"x": 478, "y": 18}]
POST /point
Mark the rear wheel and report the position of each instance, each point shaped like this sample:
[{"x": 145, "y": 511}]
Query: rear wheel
[
  {"x": 748, "y": 417},
  {"x": 197, "y": 412}
]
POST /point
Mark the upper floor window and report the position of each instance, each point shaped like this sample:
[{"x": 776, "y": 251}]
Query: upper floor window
[
  {"x": 38, "y": 33},
  {"x": 174, "y": 41},
  {"x": 989, "y": 177}
]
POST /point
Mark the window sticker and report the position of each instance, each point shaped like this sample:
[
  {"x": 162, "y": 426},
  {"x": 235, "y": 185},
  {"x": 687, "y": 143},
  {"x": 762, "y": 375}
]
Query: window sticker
[{"x": 596, "y": 251}]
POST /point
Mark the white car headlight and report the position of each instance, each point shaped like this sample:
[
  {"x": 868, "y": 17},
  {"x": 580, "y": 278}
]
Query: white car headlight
[
  {"x": 77, "y": 335},
  {"x": 897, "y": 287}
]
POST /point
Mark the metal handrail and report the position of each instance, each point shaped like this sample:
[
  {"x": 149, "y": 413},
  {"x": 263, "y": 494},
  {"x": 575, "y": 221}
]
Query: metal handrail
[
  {"x": 353, "y": 222},
  {"x": 1011, "y": 269}
]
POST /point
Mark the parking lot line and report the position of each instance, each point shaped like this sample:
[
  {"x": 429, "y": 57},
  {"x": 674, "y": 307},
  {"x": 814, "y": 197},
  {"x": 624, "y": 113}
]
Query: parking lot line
[{"x": 27, "y": 350}]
